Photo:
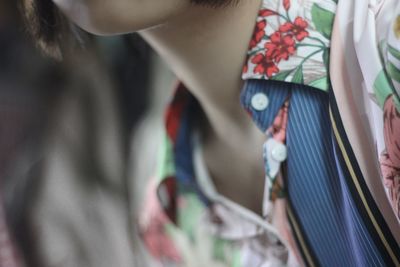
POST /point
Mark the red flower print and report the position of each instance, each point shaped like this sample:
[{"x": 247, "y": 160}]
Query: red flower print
[
  {"x": 264, "y": 65},
  {"x": 297, "y": 28},
  {"x": 266, "y": 12},
  {"x": 286, "y": 4},
  {"x": 280, "y": 47},
  {"x": 258, "y": 34}
]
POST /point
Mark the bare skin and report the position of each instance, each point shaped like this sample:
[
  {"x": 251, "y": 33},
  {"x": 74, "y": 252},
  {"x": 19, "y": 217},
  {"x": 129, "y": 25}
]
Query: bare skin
[{"x": 206, "y": 49}]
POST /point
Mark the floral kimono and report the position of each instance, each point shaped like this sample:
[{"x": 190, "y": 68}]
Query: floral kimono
[{"x": 322, "y": 81}]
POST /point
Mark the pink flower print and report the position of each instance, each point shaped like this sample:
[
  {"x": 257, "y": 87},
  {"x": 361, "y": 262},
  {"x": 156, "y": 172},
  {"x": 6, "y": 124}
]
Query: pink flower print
[{"x": 390, "y": 159}]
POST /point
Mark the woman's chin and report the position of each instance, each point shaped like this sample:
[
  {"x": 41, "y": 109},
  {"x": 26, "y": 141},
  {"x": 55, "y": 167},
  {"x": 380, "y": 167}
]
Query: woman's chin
[{"x": 119, "y": 16}]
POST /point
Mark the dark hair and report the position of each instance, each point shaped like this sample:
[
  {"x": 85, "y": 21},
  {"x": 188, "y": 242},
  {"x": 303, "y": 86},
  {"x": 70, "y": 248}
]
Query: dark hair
[
  {"x": 52, "y": 32},
  {"x": 215, "y": 3}
]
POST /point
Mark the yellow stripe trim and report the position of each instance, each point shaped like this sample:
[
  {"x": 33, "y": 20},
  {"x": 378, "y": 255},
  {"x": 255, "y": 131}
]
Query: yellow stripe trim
[
  {"x": 300, "y": 236},
  {"x": 360, "y": 192}
]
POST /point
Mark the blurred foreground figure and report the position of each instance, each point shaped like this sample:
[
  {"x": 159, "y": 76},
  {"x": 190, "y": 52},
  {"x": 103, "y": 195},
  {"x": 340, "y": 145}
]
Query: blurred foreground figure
[{"x": 64, "y": 138}]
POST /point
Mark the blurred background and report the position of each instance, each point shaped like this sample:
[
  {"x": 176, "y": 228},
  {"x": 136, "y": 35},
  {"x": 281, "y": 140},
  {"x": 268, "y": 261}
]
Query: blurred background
[{"x": 78, "y": 140}]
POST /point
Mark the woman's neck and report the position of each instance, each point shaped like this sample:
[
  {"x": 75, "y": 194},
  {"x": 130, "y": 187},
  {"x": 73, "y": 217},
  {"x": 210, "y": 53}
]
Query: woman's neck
[{"x": 206, "y": 48}]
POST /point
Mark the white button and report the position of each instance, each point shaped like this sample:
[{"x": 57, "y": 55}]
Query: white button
[
  {"x": 272, "y": 165},
  {"x": 279, "y": 152},
  {"x": 259, "y": 101}
]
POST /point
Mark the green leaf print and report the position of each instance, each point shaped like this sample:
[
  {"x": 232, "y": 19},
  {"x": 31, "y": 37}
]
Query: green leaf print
[
  {"x": 323, "y": 20},
  {"x": 298, "y": 75},
  {"x": 281, "y": 76},
  {"x": 393, "y": 71},
  {"x": 321, "y": 84},
  {"x": 394, "y": 52},
  {"x": 325, "y": 57},
  {"x": 189, "y": 215}
]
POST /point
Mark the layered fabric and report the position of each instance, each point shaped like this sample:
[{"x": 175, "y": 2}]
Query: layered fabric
[
  {"x": 321, "y": 152},
  {"x": 377, "y": 39}
]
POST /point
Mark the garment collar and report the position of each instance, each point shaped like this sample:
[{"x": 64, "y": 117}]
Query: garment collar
[{"x": 290, "y": 43}]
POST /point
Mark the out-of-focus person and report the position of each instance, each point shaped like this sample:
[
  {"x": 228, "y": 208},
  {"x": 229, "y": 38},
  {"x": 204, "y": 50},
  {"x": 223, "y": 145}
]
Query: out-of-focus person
[{"x": 65, "y": 128}]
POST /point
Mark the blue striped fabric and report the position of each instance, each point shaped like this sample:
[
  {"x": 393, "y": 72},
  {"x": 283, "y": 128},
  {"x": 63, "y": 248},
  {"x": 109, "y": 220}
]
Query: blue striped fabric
[
  {"x": 277, "y": 98},
  {"x": 315, "y": 183},
  {"x": 183, "y": 155}
]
